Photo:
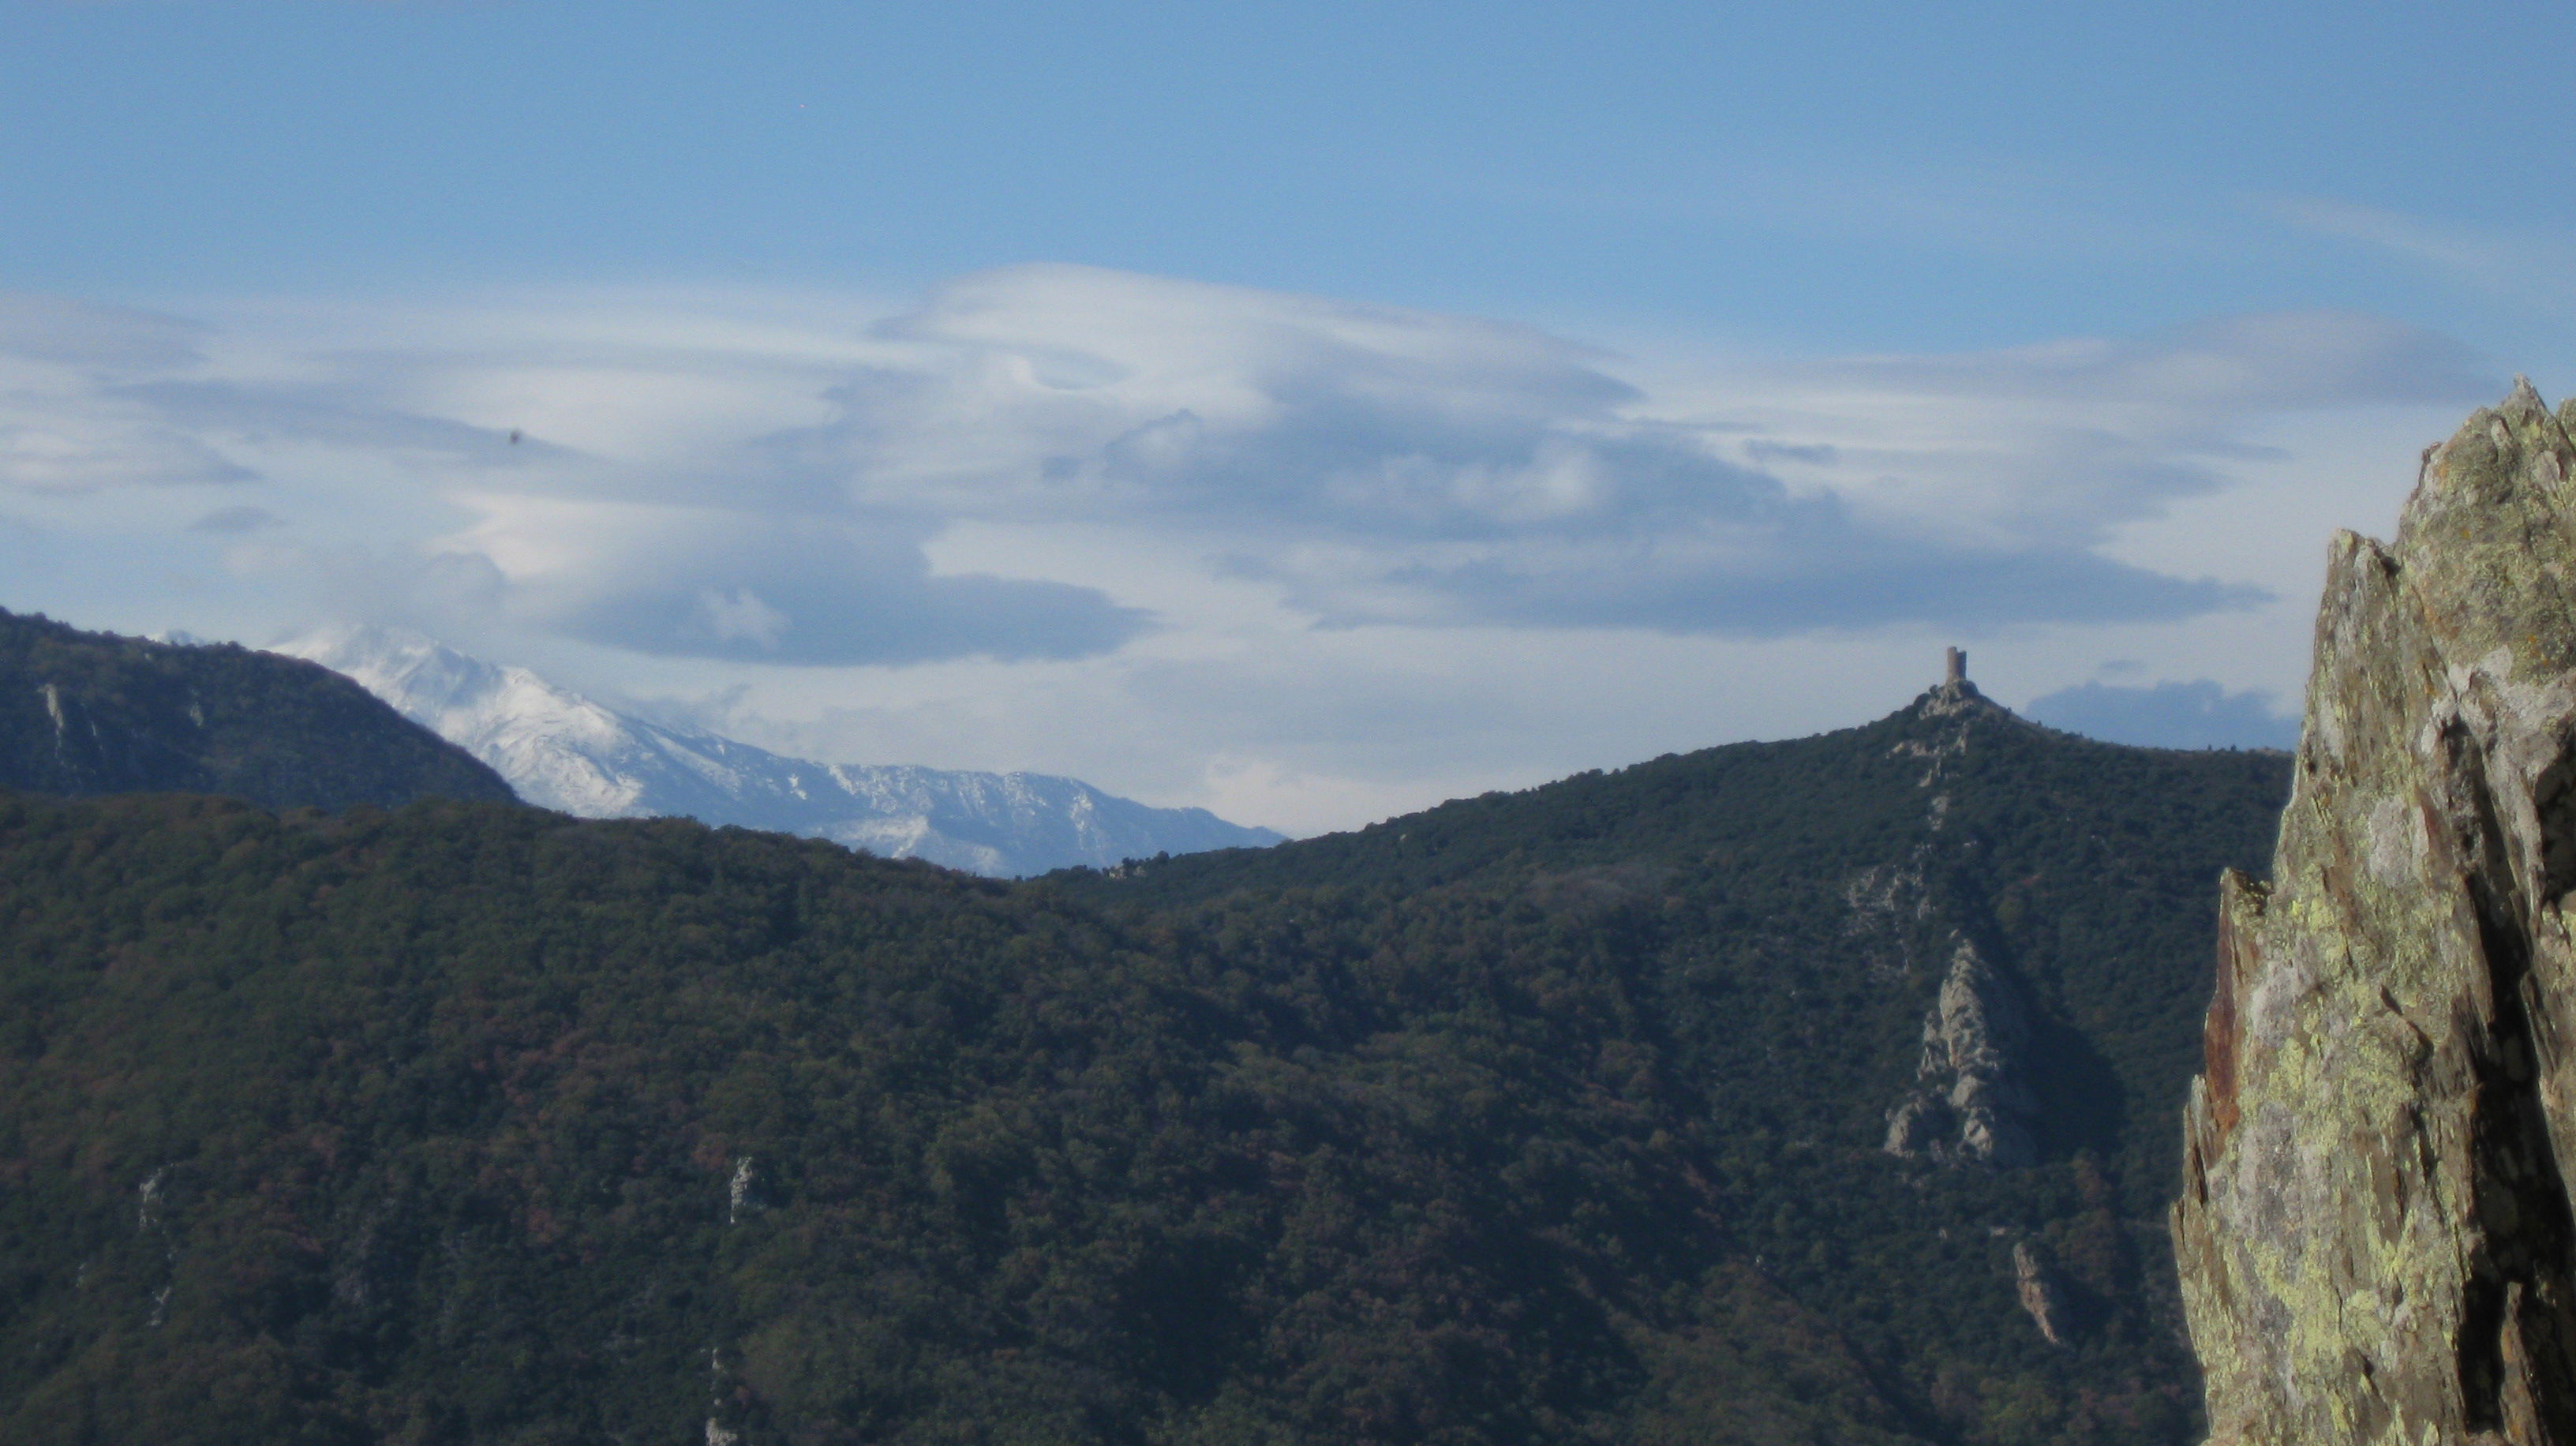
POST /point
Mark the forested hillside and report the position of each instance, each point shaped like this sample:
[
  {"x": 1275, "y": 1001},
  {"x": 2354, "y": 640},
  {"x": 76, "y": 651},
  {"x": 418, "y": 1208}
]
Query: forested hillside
[
  {"x": 1825, "y": 876},
  {"x": 1551, "y": 1117},
  {"x": 86, "y": 713}
]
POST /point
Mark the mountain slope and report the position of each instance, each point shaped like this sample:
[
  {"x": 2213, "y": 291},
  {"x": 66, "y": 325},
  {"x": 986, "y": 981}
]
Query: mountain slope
[
  {"x": 1944, "y": 971},
  {"x": 473, "y": 1124},
  {"x": 1557, "y": 1116},
  {"x": 563, "y": 751},
  {"x": 91, "y": 713},
  {"x": 2080, "y": 869}
]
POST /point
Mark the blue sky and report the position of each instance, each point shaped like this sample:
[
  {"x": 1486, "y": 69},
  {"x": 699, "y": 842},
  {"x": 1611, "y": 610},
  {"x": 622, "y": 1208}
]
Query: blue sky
[
  {"x": 1849, "y": 176},
  {"x": 1306, "y": 411}
]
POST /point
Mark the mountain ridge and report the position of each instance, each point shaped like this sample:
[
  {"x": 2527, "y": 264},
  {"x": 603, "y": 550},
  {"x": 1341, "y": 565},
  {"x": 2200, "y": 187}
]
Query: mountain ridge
[
  {"x": 84, "y": 713},
  {"x": 570, "y": 753}
]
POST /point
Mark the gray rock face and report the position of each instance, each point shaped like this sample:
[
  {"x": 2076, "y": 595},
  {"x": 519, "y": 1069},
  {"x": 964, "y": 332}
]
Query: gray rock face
[
  {"x": 1971, "y": 1102},
  {"x": 2040, "y": 1298},
  {"x": 2375, "y": 1233}
]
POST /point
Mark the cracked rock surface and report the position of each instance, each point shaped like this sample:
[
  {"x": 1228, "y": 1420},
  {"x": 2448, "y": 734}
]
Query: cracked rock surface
[
  {"x": 1970, "y": 1103},
  {"x": 2374, "y": 1233}
]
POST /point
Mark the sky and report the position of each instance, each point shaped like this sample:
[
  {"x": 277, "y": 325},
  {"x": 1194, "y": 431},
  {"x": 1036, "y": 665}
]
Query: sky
[{"x": 1307, "y": 412}]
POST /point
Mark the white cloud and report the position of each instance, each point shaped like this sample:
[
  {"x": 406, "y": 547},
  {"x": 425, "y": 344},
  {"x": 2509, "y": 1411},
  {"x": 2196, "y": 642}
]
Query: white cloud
[
  {"x": 742, "y": 617},
  {"x": 112, "y": 339},
  {"x": 1283, "y": 554},
  {"x": 67, "y": 425},
  {"x": 759, "y": 586},
  {"x": 2061, "y": 445},
  {"x": 54, "y": 444},
  {"x": 2196, "y": 714},
  {"x": 1392, "y": 466}
]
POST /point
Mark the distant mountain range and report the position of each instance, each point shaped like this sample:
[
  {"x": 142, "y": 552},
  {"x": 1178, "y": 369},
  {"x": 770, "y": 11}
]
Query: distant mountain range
[{"x": 563, "y": 751}]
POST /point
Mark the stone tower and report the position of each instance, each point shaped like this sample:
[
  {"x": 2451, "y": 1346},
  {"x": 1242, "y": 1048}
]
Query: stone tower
[{"x": 1955, "y": 670}]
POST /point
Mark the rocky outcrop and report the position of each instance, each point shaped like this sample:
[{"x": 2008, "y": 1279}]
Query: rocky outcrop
[
  {"x": 2375, "y": 1233},
  {"x": 1970, "y": 1102},
  {"x": 2036, "y": 1286}
]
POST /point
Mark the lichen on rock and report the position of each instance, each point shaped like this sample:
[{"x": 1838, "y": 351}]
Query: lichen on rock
[{"x": 2374, "y": 1234}]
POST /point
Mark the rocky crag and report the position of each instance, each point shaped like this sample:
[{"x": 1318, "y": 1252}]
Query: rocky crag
[
  {"x": 1970, "y": 1103},
  {"x": 2375, "y": 1235}
]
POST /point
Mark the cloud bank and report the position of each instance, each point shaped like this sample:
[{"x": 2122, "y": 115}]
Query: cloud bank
[
  {"x": 1388, "y": 466},
  {"x": 1282, "y": 555},
  {"x": 708, "y": 581},
  {"x": 2199, "y": 714},
  {"x": 1374, "y": 465}
]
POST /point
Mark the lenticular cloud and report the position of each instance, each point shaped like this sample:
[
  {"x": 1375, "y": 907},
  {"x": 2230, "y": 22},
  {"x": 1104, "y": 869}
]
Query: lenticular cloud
[
  {"x": 1395, "y": 466},
  {"x": 719, "y": 478}
]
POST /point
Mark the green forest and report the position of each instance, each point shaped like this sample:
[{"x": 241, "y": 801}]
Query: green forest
[{"x": 1552, "y": 1116}]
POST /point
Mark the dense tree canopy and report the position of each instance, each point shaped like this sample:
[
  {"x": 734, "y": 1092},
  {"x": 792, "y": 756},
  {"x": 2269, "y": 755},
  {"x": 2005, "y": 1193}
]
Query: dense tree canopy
[{"x": 1543, "y": 1117}]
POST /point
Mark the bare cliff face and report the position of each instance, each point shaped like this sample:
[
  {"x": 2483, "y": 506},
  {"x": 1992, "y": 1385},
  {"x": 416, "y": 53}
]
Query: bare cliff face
[{"x": 2375, "y": 1233}]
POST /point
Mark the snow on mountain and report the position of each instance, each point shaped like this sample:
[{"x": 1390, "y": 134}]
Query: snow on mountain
[{"x": 563, "y": 751}]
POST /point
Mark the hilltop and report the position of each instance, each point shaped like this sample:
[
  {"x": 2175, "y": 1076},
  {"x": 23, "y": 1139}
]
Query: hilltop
[{"x": 85, "y": 713}]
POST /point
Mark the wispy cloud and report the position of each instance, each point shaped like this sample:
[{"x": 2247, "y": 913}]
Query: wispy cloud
[
  {"x": 726, "y": 583},
  {"x": 2496, "y": 260},
  {"x": 235, "y": 519},
  {"x": 698, "y": 482},
  {"x": 111, "y": 339},
  {"x": 1393, "y": 466}
]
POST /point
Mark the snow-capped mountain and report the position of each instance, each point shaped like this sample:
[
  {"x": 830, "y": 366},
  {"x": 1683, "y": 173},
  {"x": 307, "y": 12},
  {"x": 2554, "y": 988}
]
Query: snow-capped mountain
[{"x": 563, "y": 751}]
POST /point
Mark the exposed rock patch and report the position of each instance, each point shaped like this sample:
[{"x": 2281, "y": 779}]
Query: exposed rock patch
[
  {"x": 2375, "y": 1234},
  {"x": 1972, "y": 1101},
  {"x": 1603, "y": 886},
  {"x": 2036, "y": 1286},
  {"x": 1888, "y": 908}
]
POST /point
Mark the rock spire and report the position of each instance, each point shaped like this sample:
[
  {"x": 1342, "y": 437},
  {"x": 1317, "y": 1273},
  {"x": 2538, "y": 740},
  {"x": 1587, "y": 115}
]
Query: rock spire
[{"x": 2375, "y": 1234}]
